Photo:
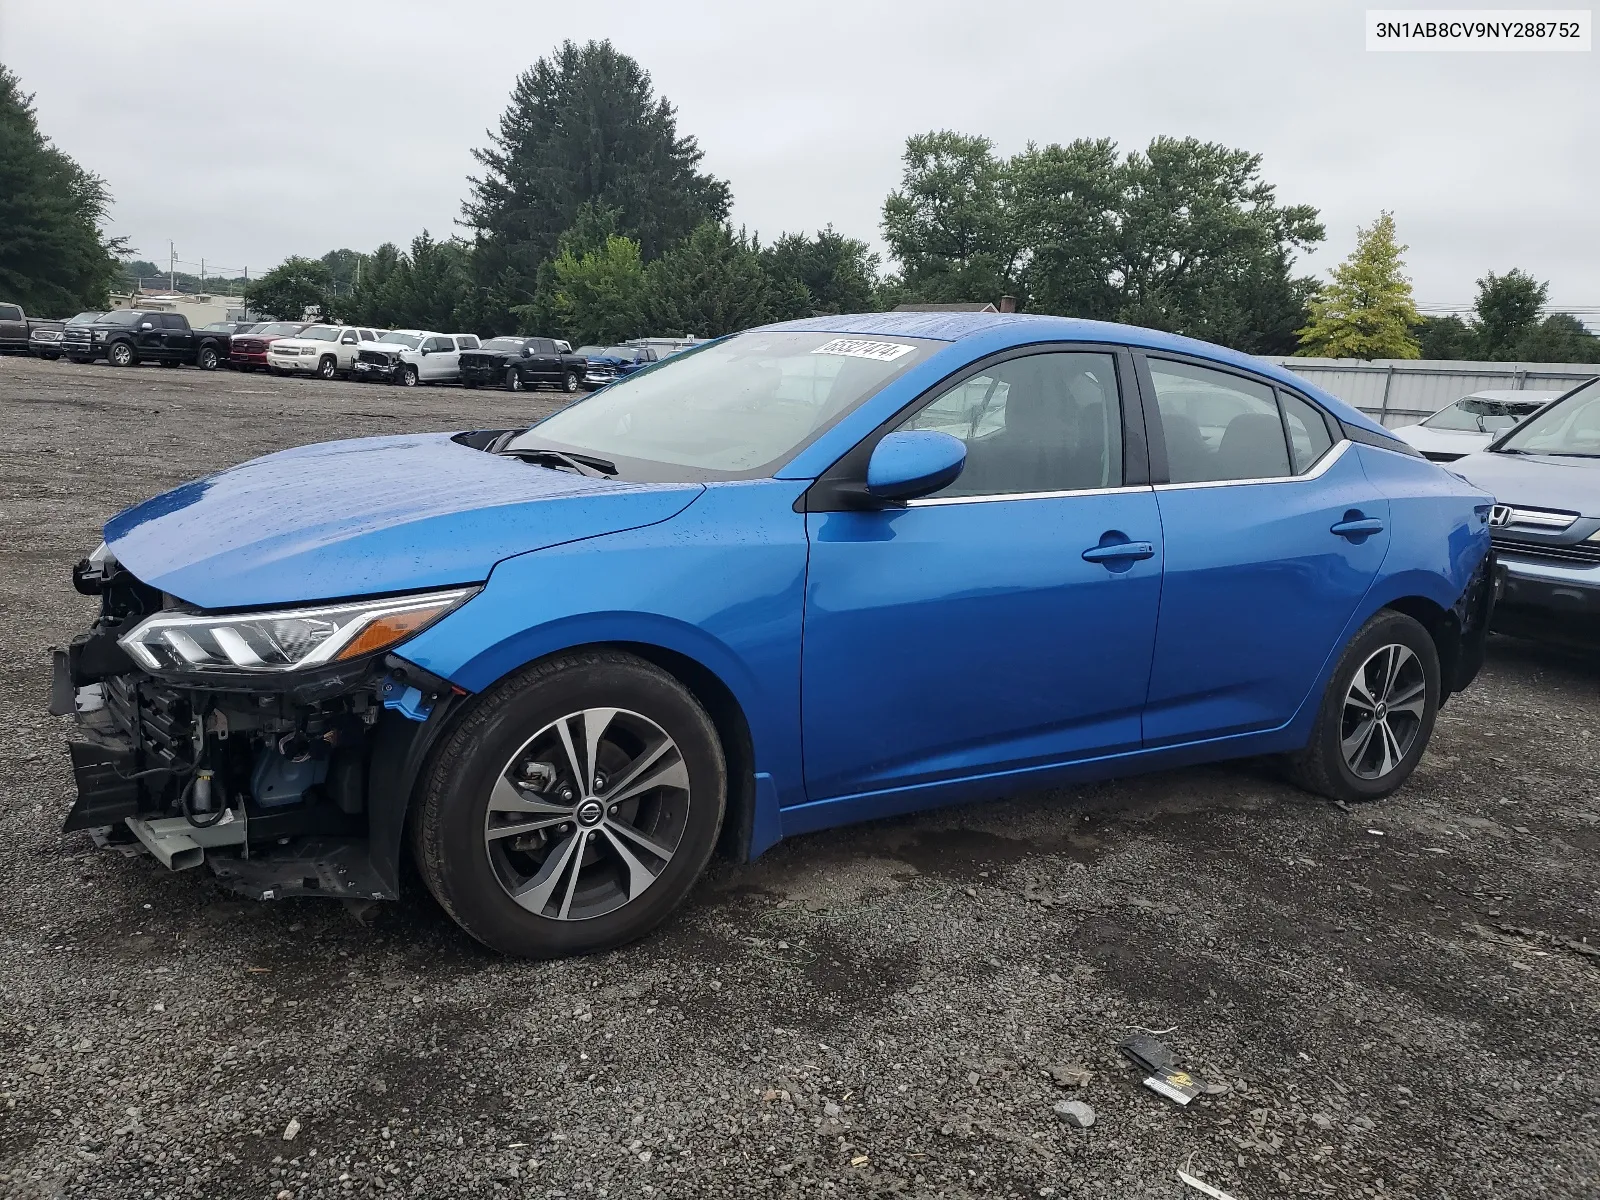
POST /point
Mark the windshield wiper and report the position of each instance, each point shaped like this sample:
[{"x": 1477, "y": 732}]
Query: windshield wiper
[{"x": 583, "y": 464}]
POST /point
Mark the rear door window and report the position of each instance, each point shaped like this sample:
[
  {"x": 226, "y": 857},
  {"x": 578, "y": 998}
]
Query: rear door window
[
  {"x": 1218, "y": 426},
  {"x": 10, "y": 312}
]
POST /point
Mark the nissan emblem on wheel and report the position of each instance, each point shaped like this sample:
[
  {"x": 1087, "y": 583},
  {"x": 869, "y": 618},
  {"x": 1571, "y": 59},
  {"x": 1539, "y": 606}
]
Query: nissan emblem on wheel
[{"x": 730, "y": 598}]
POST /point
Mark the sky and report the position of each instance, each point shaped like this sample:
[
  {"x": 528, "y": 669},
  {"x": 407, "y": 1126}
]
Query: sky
[{"x": 245, "y": 133}]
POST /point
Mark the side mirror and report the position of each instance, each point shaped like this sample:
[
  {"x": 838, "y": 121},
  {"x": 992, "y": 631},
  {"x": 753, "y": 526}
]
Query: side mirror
[
  {"x": 914, "y": 462},
  {"x": 527, "y": 353},
  {"x": 425, "y": 350},
  {"x": 145, "y": 325}
]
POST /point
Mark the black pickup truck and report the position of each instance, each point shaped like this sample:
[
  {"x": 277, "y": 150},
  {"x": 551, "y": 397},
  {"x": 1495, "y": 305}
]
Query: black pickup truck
[
  {"x": 17, "y": 329},
  {"x": 518, "y": 362},
  {"x": 128, "y": 337}
]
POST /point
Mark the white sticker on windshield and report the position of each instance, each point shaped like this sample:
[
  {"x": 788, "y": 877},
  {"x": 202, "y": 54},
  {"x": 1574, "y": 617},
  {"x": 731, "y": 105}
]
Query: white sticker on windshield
[{"x": 857, "y": 348}]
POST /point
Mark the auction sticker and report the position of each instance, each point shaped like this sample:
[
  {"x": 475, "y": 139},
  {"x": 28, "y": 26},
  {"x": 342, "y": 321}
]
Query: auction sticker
[{"x": 857, "y": 348}]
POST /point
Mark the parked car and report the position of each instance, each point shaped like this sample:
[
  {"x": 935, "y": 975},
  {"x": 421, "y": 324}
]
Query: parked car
[
  {"x": 1472, "y": 422},
  {"x": 1545, "y": 476},
  {"x": 232, "y": 327},
  {"x": 127, "y": 337},
  {"x": 607, "y": 364},
  {"x": 48, "y": 340},
  {"x": 518, "y": 362},
  {"x": 248, "y": 350},
  {"x": 565, "y": 662},
  {"x": 16, "y": 329},
  {"x": 409, "y": 357},
  {"x": 321, "y": 350}
]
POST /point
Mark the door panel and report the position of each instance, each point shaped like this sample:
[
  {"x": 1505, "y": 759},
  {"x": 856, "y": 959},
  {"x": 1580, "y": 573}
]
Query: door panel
[{"x": 958, "y": 639}]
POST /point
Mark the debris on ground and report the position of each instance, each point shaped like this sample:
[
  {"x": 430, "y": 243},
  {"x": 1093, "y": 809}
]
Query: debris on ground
[
  {"x": 1164, "y": 1077},
  {"x": 1066, "y": 1076},
  {"x": 291, "y": 1129},
  {"x": 1201, "y": 1186},
  {"x": 1075, "y": 1112}
]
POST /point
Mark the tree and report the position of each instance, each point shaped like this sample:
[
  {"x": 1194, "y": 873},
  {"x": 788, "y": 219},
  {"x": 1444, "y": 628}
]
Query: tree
[
  {"x": 584, "y": 125},
  {"x": 600, "y": 295},
  {"x": 1508, "y": 311},
  {"x": 1559, "y": 338},
  {"x": 829, "y": 273},
  {"x": 1447, "y": 337},
  {"x": 1367, "y": 311},
  {"x": 711, "y": 284},
  {"x": 950, "y": 224},
  {"x": 291, "y": 288},
  {"x": 54, "y": 256}
]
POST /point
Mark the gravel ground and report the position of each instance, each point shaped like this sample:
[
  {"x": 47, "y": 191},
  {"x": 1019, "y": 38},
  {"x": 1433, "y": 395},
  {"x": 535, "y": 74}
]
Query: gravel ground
[{"x": 1395, "y": 1001}]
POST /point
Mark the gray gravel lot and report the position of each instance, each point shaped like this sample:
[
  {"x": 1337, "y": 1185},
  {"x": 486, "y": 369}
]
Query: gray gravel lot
[{"x": 1401, "y": 1000}]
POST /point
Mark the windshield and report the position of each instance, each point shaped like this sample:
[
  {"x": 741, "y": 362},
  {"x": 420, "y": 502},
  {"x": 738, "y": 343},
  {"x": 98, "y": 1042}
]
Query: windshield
[
  {"x": 730, "y": 409},
  {"x": 506, "y": 343},
  {"x": 401, "y": 339},
  {"x": 84, "y": 318},
  {"x": 1569, "y": 427},
  {"x": 279, "y": 329},
  {"x": 625, "y": 353},
  {"x": 1479, "y": 415},
  {"x": 320, "y": 333},
  {"x": 122, "y": 316}
]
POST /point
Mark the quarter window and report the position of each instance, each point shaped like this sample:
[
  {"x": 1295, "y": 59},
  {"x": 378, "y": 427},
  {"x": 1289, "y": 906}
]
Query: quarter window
[
  {"x": 367, "y": 335},
  {"x": 1218, "y": 426},
  {"x": 1041, "y": 423},
  {"x": 1309, "y": 438}
]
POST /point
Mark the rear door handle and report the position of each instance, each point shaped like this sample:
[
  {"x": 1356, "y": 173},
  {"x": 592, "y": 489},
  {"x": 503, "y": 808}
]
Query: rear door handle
[
  {"x": 1119, "y": 551},
  {"x": 1358, "y": 527}
]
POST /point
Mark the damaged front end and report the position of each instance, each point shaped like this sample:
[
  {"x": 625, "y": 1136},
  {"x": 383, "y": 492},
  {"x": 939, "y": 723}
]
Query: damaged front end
[{"x": 280, "y": 748}]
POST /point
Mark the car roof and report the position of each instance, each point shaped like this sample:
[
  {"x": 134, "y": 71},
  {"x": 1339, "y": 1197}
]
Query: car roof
[
  {"x": 1031, "y": 327},
  {"x": 1507, "y": 394}
]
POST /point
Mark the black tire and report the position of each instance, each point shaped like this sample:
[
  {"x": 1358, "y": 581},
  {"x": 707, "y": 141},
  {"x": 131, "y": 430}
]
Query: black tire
[
  {"x": 469, "y": 384},
  {"x": 513, "y": 380},
  {"x": 327, "y": 367},
  {"x": 207, "y": 358},
  {"x": 450, "y": 826},
  {"x": 120, "y": 354},
  {"x": 82, "y": 362},
  {"x": 167, "y": 362},
  {"x": 405, "y": 375},
  {"x": 569, "y": 382},
  {"x": 1325, "y": 766}
]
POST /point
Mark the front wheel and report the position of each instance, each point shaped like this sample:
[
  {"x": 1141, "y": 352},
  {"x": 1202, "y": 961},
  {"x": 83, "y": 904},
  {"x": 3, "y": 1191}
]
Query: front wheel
[
  {"x": 513, "y": 380},
  {"x": 573, "y": 806},
  {"x": 406, "y": 375},
  {"x": 1376, "y": 715},
  {"x": 328, "y": 367},
  {"x": 121, "y": 355}
]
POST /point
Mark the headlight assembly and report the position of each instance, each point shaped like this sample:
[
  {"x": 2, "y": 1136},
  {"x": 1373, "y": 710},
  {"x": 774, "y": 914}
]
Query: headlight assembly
[{"x": 289, "y": 639}]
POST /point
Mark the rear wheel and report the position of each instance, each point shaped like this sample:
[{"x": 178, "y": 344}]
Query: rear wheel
[
  {"x": 569, "y": 382},
  {"x": 207, "y": 359},
  {"x": 1376, "y": 715},
  {"x": 120, "y": 354},
  {"x": 513, "y": 381},
  {"x": 573, "y": 807}
]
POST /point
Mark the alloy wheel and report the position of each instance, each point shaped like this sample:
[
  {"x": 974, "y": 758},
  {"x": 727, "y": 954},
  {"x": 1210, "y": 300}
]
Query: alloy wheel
[
  {"x": 587, "y": 814},
  {"x": 1383, "y": 711}
]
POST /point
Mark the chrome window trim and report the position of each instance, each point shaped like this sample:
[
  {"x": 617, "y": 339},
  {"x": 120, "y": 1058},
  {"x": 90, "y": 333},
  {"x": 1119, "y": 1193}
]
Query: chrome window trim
[
  {"x": 1317, "y": 469},
  {"x": 935, "y": 501}
]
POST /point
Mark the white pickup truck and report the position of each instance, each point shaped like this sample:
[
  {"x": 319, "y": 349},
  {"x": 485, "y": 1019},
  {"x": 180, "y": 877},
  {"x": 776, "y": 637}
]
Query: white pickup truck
[
  {"x": 412, "y": 356},
  {"x": 321, "y": 350}
]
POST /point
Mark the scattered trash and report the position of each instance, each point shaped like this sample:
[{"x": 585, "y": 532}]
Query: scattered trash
[
  {"x": 1375, "y": 832},
  {"x": 1164, "y": 1078},
  {"x": 859, "y": 1160},
  {"x": 291, "y": 1129},
  {"x": 1075, "y": 1112},
  {"x": 1156, "y": 1032},
  {"x": 1201, "y": 1186}
]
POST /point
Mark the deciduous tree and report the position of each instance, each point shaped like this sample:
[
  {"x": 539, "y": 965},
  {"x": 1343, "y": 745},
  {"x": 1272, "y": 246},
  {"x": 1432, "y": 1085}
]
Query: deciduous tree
[
  {"x": 1367, "y": 310},
  {"x": 290, "y": 288}
]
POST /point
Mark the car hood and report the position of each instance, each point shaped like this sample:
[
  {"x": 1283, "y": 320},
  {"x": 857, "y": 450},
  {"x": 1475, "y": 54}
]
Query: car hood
[
  {"x": 1443, "y": 441},
  {"x": 366, "y": 517},
  {"x": 611, "y": 360},
  {"x": 1535, "y": 480}
]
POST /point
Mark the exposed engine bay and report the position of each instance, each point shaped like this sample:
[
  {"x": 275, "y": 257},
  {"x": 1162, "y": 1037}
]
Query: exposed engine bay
[{"x": 283, "y": 783}]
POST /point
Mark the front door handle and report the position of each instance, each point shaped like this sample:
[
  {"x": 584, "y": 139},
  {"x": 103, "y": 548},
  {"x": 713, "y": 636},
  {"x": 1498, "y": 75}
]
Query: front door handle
[
  {"x": 1355, "y": 527},
  {"x": 1119, "y": 551}
]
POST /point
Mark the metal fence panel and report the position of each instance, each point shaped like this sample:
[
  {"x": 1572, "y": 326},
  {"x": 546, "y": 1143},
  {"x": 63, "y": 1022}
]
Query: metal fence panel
[{"x": 1403, "y": 391}]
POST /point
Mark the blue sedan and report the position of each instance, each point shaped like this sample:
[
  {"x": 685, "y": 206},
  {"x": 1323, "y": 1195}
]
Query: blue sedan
[{"x": 814, "y": 573}]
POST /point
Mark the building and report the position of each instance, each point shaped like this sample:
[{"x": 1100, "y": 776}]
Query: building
[{"x": 201, "y": 309}]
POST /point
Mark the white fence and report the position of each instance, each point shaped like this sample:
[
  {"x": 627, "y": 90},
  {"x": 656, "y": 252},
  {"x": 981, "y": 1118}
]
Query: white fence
[{"x": 1402, "y": 391}]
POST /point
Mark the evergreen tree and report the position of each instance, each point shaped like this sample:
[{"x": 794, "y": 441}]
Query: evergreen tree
[
  {"x": 838, "y": 274},
  {"x": 711, "y": 284},
  {"x": 599, "y": 295},
  {"x": 54, "y": 257},
  {"x": 584, "y": 125},
  {"x": 1367, "y": 311},
  {"x": 1447, "y": 337}
]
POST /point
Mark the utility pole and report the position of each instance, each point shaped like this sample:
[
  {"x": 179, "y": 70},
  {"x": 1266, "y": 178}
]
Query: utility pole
[
  {"x": 172, "y": 268},
  {"x": 247, "y": 293},
  {"x": 202, "y": 273}
]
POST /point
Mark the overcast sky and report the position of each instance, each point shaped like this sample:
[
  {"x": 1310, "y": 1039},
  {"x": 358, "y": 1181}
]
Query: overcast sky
[{"x": 245, "y": 133}]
